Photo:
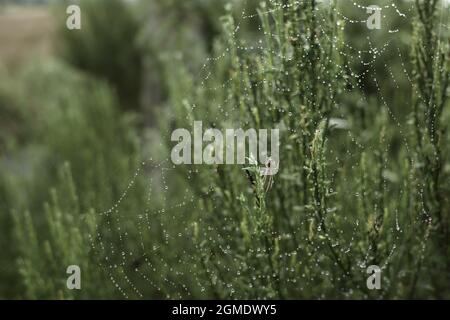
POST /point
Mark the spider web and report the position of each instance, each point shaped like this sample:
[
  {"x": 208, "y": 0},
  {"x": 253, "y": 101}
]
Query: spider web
[{"x": 155, "y": 264}]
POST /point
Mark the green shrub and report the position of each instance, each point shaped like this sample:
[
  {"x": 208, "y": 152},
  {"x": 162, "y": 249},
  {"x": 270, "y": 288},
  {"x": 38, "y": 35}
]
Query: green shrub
[
  {"x": 307, "y": 236},
  {"x": 71, "y": 118},
  {"x": 107, "y": 47},
  {"x": 371, "y": 192}
]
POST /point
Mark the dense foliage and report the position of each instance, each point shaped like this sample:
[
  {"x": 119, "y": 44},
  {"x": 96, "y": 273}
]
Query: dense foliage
[{"x": 86, "y": 179}]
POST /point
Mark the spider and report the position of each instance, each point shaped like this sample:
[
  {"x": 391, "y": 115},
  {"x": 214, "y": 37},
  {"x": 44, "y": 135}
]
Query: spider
[{"x": 267, "y": 173}]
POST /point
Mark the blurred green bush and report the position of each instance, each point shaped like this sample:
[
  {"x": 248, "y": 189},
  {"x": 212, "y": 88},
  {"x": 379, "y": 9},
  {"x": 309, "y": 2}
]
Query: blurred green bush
[
  {"x": 70, "y": 118},
  {"x": 107, "y": 47}
]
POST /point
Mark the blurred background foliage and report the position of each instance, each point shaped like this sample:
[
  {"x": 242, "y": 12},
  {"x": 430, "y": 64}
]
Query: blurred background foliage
[{"x": 83, "y": 113}]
